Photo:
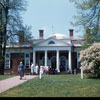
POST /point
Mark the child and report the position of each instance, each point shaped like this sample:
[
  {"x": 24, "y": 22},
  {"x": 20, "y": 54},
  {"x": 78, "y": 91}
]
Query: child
[
  {"x": 47, "y": 70},
  {"x": 32, "y": 68},
  {"x": 37, "y": 69}
]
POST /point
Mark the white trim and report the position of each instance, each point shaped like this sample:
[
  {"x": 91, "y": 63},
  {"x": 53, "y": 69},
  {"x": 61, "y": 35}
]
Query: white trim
[
  {"x": 67, "y": 43},
  {"x": 19, "y": 50},
  {"x": 51, "y": 48}
]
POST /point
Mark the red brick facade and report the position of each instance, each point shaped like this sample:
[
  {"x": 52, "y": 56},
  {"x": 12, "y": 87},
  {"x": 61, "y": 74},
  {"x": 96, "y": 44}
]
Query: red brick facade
[{"x": 14, "y": 63}]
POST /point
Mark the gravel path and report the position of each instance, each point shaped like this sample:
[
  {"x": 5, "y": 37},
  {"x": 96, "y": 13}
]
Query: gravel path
[{"x": 12, "y": 82}]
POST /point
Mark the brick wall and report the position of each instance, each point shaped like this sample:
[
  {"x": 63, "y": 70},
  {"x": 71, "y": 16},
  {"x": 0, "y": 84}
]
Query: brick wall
[{"x": 15, "y": 60}]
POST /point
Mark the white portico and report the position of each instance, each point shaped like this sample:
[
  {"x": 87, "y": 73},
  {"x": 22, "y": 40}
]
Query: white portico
[{"x": 54, "y": 46}]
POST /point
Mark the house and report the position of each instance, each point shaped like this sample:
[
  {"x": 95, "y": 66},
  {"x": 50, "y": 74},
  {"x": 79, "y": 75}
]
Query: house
[{"x": 58, "y": 51}]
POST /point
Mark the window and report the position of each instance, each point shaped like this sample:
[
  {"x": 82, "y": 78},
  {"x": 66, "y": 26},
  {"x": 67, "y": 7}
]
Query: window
[
  {"x": 7, "y": 64},
  {"x": 51, "y": 42},
  {"x": 27, "y": 60},
  {"x": 7, "y": 61},
  {"x": 27, "y": 63},
  {"x": 27, "y": 55},
  {"x": 7, "y": 55}
]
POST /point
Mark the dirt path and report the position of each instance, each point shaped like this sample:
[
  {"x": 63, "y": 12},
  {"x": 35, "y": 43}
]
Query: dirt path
[{"x": 12, "y": 82}]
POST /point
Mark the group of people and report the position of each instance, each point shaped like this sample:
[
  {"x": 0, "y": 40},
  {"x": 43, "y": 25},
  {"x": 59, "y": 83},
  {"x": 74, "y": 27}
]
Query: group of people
[
  {"x": 45, "y": 70},
  {"x": 38, "y": 69}
]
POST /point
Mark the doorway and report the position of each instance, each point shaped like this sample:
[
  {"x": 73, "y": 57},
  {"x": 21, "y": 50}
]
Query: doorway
[
  {"x": 53, "y": 62},
  {"x": 63, "y": 64}
]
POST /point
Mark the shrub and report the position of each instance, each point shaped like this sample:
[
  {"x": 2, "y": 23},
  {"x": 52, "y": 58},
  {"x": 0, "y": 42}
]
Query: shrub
[{"x": 90, "y": 59}]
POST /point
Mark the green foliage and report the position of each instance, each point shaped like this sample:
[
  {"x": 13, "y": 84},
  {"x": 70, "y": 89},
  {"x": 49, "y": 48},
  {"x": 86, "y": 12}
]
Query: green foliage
[
  {"x": 88, "y": 19},
  {"x": 90, "y": 59},
  {"x": 10, "y": 22}
]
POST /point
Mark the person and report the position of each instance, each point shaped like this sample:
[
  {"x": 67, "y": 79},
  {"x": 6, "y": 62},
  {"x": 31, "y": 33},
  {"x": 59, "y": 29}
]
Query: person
[
  {"x": 53, "y": 69},
  {"x": 44, "y": 70},
  {"x": 47, "y": 70},
  {"x": 21, "y": 70},
  {"x": 37, "y": 69},
  {"x": 41, "y": 69},
  {"x": 32, "y": 68}
]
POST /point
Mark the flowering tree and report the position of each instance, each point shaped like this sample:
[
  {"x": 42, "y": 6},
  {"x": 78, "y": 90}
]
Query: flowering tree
[{"x": 90, "y": 59}]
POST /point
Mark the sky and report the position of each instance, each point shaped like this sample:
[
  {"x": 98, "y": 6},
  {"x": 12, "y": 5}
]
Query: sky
[{"x": 53, "y": 16}]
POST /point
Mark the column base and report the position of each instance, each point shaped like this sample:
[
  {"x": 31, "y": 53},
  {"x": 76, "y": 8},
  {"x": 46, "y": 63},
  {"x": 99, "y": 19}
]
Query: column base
[{"x": 58, "y": 71}]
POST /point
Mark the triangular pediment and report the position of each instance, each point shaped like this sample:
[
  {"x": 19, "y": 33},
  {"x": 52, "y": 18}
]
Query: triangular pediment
[{"x": 53, "y": 42}]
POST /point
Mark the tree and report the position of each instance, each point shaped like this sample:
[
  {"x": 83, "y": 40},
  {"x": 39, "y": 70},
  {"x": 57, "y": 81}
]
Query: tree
[
  {"x": 88, "y": 17},
  {"x": 90, "y": 59},
  {"x": 10, "y": 24}
]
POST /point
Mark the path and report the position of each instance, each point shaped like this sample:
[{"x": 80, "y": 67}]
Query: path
[{"x": 12, "y": 82}]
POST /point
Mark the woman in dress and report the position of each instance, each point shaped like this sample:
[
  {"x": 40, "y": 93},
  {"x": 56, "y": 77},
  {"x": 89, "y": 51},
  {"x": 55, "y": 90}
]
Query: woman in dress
[
  {"x": 21, "y": 70},
  {"x": 32, "y": 68},
  {"x": 37, "y": 69}
]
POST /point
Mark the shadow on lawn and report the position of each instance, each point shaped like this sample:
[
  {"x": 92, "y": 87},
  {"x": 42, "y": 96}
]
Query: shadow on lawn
[{"x": 93, "y": 77}]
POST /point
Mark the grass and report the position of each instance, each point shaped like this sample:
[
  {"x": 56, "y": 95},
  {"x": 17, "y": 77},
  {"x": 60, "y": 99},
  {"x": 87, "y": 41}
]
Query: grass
[
  {"x": 2, "y": 77},
  {"x": 56, "y": 86}
]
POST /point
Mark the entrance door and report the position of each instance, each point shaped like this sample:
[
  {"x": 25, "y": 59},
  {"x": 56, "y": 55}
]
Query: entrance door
[
  {"x": 16, "y": 58},
  {"x": 63, "y": 64},
  {"x": 53, "y": 62}
]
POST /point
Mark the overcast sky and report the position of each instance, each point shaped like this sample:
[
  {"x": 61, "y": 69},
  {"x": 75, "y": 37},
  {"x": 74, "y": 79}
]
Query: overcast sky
[{"x": 53, "y": 16}]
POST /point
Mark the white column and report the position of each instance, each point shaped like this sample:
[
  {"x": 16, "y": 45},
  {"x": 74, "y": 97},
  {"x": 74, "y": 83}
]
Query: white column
[
  {"x": 45, "y": 58},
  {"x": 34, "y": 59},
  {"x": 58, "y": 61},
  {"x": 70, "y": 60},
  {"x": 77, "y": 60}
]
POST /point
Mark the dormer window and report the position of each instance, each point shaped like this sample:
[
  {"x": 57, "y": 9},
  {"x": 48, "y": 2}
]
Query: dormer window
[{"x": 51, "y": 42}]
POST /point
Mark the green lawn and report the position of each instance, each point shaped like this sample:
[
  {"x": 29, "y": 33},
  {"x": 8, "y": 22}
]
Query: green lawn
[
  {"x": 56, "y": 86},
  {"x": 5, "y": 76}
]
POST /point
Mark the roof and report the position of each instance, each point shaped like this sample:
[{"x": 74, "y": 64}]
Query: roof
[
  {"x": 58, "y": 36},
  {"x": 78, "y": 42},
  {"x": 17, "y": 45}
]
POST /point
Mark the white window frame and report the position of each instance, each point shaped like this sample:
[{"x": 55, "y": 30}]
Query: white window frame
[
  {"x": 27, "y": 59},
  {"x": 8, "y": 61}
]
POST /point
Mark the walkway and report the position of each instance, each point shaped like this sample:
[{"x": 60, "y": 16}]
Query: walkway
[{"x": 12, "y": 82}]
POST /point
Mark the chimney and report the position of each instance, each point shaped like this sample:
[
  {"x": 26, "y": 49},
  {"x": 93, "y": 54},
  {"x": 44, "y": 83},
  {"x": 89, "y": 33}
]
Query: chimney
[
  {"x": 21, "y": 37},
  {"x": 71, "y": 33},
  {"x": 41, "y": 34}
]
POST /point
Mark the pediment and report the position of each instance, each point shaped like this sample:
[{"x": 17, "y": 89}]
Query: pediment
[{"x": 53, "y": 42}]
